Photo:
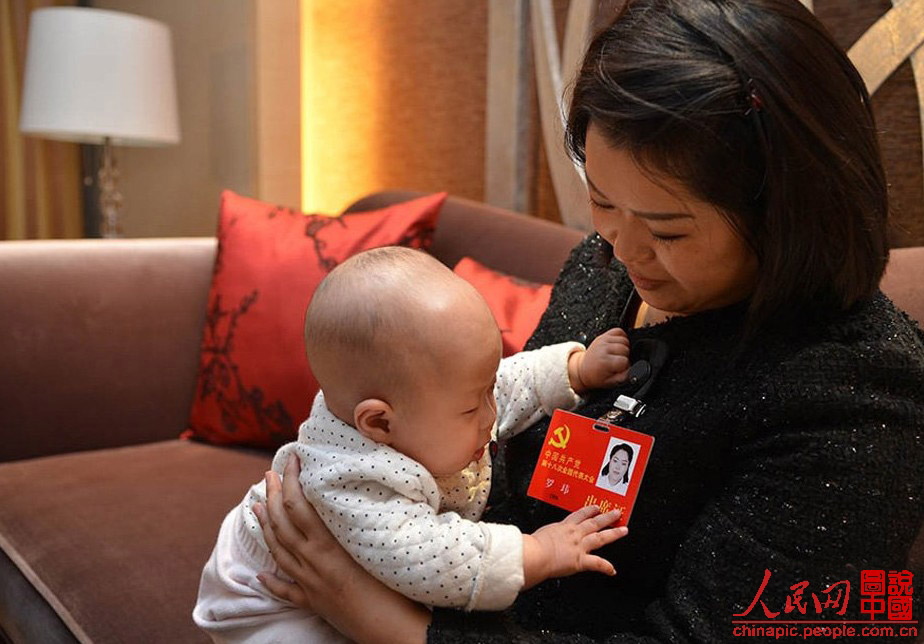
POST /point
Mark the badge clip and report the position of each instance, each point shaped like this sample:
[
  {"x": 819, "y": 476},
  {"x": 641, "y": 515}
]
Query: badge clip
[
  {"x": 623, "y": 405},
  {"x": 630, "y": 405}
]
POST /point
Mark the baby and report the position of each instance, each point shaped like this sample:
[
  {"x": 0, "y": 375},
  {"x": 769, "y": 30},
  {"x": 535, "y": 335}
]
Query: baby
[{"x": 393, "y": 455}]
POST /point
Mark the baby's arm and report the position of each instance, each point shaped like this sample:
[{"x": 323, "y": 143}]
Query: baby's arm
[
  {"x": 533, "y": 384},
  {"x": 605, "y": 362},
  {"x": 394, "y": 531},
  {"x": 563, "y": 548},
  {"x": 441, "y": 559}
]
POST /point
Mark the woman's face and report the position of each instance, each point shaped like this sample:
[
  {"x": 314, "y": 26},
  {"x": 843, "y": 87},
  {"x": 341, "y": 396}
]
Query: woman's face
[
  {"x": 619, "y": 465},
  {"x": 681, "y": 253}
]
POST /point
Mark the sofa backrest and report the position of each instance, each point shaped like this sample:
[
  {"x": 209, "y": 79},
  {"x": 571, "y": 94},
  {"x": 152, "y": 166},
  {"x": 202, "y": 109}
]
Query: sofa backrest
[
  {"x": 99, "y": 339},
  {"x": 904, "y": 281},
  {"x": 527, "y": 247}
]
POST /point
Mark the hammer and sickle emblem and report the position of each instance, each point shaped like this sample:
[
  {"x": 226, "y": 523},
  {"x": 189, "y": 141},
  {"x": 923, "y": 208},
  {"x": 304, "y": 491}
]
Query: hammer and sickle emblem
[{"x": 561, "y": 437}]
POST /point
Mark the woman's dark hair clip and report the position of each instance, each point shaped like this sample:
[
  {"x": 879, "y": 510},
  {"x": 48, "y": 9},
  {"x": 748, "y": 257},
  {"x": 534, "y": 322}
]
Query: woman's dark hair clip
[{"x": 755, "y": 102}]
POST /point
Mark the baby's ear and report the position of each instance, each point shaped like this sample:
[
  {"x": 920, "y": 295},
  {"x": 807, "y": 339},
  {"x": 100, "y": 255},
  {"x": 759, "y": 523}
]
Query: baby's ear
[{"x": 372, "y": 417}]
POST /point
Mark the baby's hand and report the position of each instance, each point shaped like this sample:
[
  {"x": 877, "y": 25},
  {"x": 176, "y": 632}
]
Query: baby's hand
[
  {"x": 605, "y": 362},
  {"x": 562, "y": 549}
]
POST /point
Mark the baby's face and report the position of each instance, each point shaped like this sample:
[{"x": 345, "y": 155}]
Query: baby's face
[{"x": 447, "y": 423}]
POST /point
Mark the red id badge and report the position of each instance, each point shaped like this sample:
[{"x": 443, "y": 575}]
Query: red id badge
[{"x": 590, "y": 462}]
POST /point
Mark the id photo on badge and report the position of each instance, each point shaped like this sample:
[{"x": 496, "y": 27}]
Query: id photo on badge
[{"x": 618, "y": 464}]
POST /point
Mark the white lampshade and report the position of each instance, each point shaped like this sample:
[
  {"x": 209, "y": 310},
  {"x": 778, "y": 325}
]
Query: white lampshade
[{"x": 92, "y": 74}]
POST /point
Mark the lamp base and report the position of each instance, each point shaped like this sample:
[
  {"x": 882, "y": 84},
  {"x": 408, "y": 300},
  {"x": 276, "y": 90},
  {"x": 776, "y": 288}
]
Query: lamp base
[{"x": 110, "y": 199}]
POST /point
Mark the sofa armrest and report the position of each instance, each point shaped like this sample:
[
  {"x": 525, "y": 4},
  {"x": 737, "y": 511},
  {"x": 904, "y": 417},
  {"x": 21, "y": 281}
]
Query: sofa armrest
[{"x": 99, "y": 341}]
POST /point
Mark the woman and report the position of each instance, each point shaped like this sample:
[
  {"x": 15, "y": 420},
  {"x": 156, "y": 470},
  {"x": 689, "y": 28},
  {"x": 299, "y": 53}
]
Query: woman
[
  {"x": 615, "y": 473},
  {"x": 740, "y": 206}
]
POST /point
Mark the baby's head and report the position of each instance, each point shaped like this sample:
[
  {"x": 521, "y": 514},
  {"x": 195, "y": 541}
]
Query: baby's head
[{"x": 406, "y": 351}]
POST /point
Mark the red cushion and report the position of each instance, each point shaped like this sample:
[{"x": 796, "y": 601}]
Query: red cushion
[
  {"x": 516, "y": 304},
  {"x": 254, "y": 385}
]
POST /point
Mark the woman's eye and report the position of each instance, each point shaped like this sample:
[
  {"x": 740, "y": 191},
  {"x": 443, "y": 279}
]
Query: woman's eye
[
  {"x": 666, "y": 239},
  {"x": 597, "y": 204}
]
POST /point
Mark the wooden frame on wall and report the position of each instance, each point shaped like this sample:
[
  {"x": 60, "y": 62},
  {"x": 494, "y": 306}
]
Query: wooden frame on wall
[{"x": 515, "y": 26}]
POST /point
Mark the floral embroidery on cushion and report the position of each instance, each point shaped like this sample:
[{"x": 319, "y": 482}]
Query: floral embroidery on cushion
[{"x": 254, "y": 384}]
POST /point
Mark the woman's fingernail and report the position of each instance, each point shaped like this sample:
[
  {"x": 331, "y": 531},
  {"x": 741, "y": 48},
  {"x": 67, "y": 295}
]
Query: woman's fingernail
[{"x": 258, "y": 510}]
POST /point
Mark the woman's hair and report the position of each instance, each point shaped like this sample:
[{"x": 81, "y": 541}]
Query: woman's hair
[
  {"x": 625, "y": 447},
  {"x": 752, "y": 106}
]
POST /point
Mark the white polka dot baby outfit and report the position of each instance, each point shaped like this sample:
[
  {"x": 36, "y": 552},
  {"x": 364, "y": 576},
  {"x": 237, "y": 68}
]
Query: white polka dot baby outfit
[{"x": 418, "y": 534}]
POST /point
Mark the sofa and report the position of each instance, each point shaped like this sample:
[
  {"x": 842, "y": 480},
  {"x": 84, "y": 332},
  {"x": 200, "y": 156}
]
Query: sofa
[{"x": 106, "y": 515}]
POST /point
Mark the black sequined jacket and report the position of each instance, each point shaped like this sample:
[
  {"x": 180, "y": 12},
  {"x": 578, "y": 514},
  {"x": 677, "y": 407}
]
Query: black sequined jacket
[{"x": 803, "y": 456}]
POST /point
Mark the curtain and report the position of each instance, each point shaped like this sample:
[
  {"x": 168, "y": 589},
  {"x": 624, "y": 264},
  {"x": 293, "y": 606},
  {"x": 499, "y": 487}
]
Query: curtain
[{"x": 40, "y": 191}]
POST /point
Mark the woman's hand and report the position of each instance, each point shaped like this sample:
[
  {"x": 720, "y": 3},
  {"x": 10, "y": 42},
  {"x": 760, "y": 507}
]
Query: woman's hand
[{"x": 327, "y": 580}]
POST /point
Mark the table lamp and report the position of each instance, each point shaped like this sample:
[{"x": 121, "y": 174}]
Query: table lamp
[{"x": 102, "y": 77}]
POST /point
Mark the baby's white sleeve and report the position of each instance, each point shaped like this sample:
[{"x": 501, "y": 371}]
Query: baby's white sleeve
[
  {"x": 533, "y": 384},
  {"x": 439, "y": 559}
]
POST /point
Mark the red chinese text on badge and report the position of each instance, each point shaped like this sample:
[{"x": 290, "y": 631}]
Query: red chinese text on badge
[{"x": 588, "y": 462}]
